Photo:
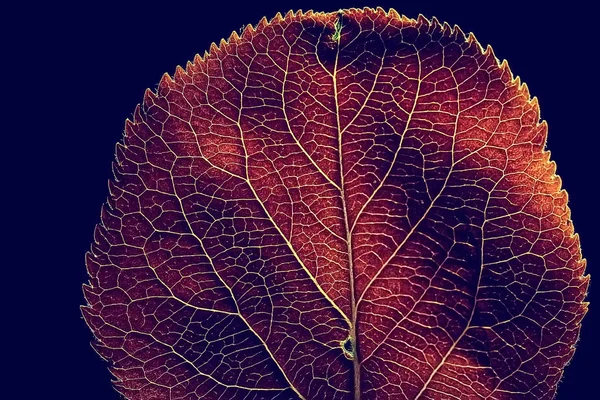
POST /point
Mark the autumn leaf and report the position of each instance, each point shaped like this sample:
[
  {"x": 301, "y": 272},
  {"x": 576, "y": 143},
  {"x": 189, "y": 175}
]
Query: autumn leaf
[{"x": 337, "y": 206}]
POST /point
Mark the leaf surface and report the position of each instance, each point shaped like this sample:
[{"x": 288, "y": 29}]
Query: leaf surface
[{"x": 337, "y": 206}]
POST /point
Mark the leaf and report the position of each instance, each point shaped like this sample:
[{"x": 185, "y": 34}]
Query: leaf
[{"x": 335, "y": 206}]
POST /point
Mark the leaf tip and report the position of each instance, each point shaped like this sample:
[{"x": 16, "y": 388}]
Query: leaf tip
[
  {"x": 262, "y": 24},
  {"x": 179, "y": 72},
  {"x": 458, "y": 32},
  {"x": 392, "y": 13},
  {"x": 234, "y": 37},
  {"x": 422, "y": 20},
  {"x": 505, "y": 67},
  {"x": 447, "y": 28},
  {"x": 214, "y": 49},
  {"x": 248, "y": 32},
  {"x": 524, "y": 89},
  {"x": 197, "y": 60},
  {"x": 278, "y": 18}
]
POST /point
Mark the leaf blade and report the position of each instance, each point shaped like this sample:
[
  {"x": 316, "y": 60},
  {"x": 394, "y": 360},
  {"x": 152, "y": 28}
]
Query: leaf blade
[{"x": 227, "y": 200}]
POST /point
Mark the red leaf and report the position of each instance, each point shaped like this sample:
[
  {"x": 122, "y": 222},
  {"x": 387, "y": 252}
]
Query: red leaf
[{"x": 335, "y": 206}]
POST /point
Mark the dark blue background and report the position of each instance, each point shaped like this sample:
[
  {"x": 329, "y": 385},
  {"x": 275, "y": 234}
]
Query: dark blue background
[{"x": 74, "y": 74}]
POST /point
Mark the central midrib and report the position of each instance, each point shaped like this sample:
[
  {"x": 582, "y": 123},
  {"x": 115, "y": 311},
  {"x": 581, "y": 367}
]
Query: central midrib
[{"x": 353, "y": 315}]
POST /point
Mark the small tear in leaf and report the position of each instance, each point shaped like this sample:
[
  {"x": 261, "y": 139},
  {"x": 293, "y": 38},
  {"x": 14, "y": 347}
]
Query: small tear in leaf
[{"x": 348, "y": 347}]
